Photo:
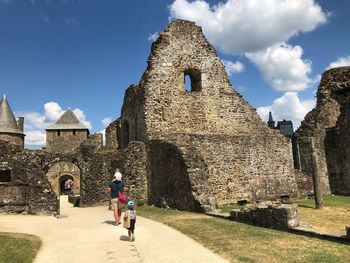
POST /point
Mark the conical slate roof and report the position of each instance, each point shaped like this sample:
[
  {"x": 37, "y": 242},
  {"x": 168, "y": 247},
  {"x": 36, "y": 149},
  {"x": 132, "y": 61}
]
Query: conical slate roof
[
  {"x": 68, "y": 121},
  {"x": 270, "y": 116},
  {"x": 8, "y": 122}
]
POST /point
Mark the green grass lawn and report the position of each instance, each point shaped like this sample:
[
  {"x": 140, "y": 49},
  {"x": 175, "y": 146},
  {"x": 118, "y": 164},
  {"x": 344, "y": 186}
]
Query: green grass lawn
[
  {"x": 18, "y": 248},
  {"x": 244, "y": 243},
  {"x": 328, "y": 201}
]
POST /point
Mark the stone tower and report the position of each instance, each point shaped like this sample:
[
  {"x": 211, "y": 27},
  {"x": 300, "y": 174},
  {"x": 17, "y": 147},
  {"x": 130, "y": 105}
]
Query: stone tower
[
  {"x": 205, "y": 141},
  {"x": 10, "y": 129},
  {"x": 66, "y": 134},
  {"x": 271, "y": 122}
]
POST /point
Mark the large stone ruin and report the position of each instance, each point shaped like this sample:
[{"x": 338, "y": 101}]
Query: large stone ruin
[
  {"x": 206, "y": 141},
  {"x": 176, "y": 146},
  {"x": 325, "y": 133}
]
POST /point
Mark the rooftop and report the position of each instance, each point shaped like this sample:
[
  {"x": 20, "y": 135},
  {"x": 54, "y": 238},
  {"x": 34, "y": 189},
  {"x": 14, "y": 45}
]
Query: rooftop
[
  {"x": 68, "y": 121},
  {"x": 8, "y": 123}
]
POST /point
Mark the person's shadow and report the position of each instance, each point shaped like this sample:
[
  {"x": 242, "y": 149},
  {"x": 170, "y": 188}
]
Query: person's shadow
[
  {"x": 124, "y": 238},
  {"x": 110, "y": 222}
]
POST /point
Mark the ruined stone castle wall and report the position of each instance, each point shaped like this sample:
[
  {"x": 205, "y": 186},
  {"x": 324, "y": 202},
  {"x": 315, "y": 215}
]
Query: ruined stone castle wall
[
  {"x": 64, "y": 169},
  {"x": 98, "y": 168},
  {"x": 212, "y": 107},
  {"x": 36, "y": 175},
  {"x": 16, "y": 139},
  {"x": 198, "y": 167},
  {"x": 238, "y": 155},
  {"x": 29, "y": 190},
  {"x": 64, "y": 141},
  {"x": 323, "y": 131},
  {"x": 337, "y": 141},
  {"x": 132, "y": 121},
  {"x": 113, "y": 135}
]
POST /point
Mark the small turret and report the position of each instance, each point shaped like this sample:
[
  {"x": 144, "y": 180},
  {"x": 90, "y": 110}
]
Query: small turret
[
  {"x": 271, "y": 122},
  {"x": 10, "y": 129}
]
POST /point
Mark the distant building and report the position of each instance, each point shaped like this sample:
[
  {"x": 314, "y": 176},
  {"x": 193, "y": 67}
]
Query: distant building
[
  {"x": 66, "y": 134},
  {"x": 285, "y": 127},
  {"x": 10, "y": 129}
]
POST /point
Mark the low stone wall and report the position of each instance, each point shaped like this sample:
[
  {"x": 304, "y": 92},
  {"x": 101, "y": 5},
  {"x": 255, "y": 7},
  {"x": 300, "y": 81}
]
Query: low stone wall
[
  {"x": 270, "y": 215},
  {"x": 13, "y": 198}
]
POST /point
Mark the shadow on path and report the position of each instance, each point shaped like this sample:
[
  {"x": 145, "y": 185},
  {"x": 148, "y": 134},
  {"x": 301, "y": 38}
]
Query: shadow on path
[{"x": 124, "y": 238}]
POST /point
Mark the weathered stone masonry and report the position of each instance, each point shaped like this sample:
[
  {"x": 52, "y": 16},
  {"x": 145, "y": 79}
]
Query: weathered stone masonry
[
  {"x": 29, "y": 189},
  {"x": 324, "y": 132},
  {"x": 175, "y": 147},
  {"x": 223, "y": 149}
]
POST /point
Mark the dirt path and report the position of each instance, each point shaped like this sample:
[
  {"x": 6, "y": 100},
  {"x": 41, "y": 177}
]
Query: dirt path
[{"x": 88, "y": 235}]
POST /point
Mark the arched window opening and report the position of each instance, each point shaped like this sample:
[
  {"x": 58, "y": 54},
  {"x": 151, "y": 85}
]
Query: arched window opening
[
  {"x": 74, "y": 132},
  {"x": 193, "y": 80},
  {"x": 58, "y": 133}
]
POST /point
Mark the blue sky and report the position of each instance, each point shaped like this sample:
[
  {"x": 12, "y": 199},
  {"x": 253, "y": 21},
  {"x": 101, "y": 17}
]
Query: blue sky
[{"x": 83, "y": 54}]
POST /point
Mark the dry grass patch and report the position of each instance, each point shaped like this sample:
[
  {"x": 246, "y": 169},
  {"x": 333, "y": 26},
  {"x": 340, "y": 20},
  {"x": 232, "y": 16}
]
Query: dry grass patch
[
  {"x": 244, "y": 243},
  {"x": 332, "y": 218},
  {"x": 328, "y": 219}
]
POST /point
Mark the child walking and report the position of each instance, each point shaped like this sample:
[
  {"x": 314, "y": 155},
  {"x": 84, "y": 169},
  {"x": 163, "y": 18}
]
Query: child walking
[{"x": 130, "y": 214}]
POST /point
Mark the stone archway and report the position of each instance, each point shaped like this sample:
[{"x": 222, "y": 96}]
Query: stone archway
[
  {"x": 61, "y": 172},
  {"x": 66, "y": 182}
]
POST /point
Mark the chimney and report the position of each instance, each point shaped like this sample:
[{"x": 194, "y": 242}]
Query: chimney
[{"x": 20, "y": 123}]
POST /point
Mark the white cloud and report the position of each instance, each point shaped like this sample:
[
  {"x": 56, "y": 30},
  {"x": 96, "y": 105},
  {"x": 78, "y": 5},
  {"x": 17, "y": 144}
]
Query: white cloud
[
  {"x": 240, "y": 26},
  {"x": 282, "y": 67},
  {"x": 82, "y": 118},
  {"x": 106, "y": 121},
  {"x": 260, "y": 30},
  {"x": 34, "y": 120},
  {"x": 340, "y": 62},
  {"x": 52, "y": 111},
  {"x": 288, "y": 107},
  {"x": 153, "y": 37},
  {"x": 233, "y": 67},
  {"x": 35, "y": 123},
  {"x": 35, "y": 138}
]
